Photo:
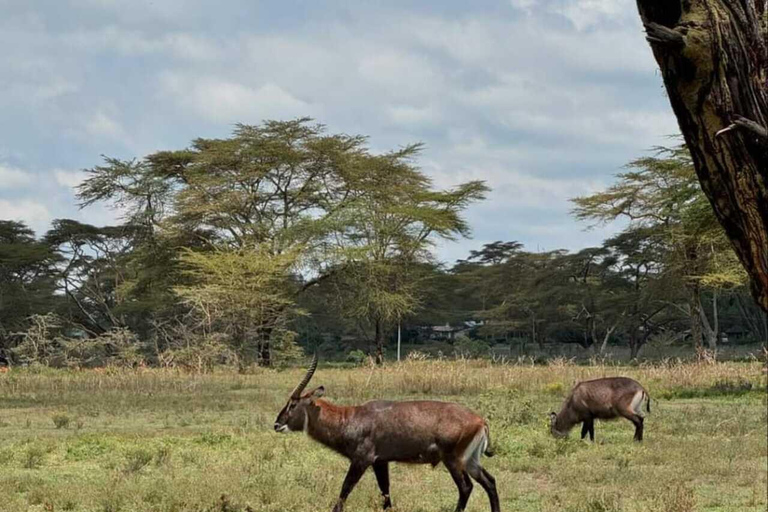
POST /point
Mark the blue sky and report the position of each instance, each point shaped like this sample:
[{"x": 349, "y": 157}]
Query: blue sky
[{"x": 543, "y": 99}]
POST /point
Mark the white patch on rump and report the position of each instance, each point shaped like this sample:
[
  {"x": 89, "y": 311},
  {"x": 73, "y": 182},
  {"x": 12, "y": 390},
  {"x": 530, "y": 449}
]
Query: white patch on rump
[
  {"x": 637, "y": 403},
  {"x": 475, "y": 448}
]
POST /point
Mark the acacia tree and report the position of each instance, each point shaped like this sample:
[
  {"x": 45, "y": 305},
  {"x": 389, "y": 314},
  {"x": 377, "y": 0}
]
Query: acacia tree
[
  {"x": 660, "y": 195},
  {"x": 269, "y": 189},
  {"x": 643, "y": 293},
  {"x": 384, "y": 234},
  {"x": 713, "y": 56},
  {"x": 597, "y": 293},
  {"x": 237, "y": 297},
  {"x": 27, "y": 279},
  {"x": 285, "y": 189},
  {"x": 93, "y": 272},
  {"x": 480, "y": 276}
]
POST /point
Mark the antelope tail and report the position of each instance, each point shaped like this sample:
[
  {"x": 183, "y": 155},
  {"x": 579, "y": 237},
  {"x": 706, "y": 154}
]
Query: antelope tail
[
  {"x": 648, "y": 403},
  {"x": 488, "y": 452}
]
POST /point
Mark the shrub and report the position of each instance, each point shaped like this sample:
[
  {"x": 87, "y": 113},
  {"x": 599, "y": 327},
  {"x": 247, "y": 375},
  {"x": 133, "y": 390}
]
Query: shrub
[
  {"x": 677, "y": 498},
  {"x": 137, "y": 459},
  {"x": 464, "y": 346},
  {"x": 604, "y": 503},
  {"x": 732, "y": 387},
  {"x": 555, "y": 388},
  {"x": 357, "y": 357},
  {"x": 34, "y": 457},
  {"x": 61, "y": 420}
]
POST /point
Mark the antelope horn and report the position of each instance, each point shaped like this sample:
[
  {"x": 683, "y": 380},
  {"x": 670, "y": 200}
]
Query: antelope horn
[{"x": 312, "y": 367}]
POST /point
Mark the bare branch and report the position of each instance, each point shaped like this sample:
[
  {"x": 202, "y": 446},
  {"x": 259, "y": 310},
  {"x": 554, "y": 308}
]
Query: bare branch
[
  {"x": 659, "y": 34},
  {"x": 751, "y": 126}
]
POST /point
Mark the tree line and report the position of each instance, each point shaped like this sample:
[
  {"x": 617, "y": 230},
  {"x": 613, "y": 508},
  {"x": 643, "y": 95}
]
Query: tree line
[{"x": 240, "y": 250}]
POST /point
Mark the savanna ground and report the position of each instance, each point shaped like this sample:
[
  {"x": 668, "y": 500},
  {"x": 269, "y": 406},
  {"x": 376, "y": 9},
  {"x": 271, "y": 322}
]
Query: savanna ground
[{"x": 162, "y": 440}]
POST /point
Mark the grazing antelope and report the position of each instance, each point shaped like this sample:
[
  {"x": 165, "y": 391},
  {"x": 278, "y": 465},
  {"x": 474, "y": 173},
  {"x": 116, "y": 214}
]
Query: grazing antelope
[
  {"x": 603, "y": 399},
  {"x": 379, "y": 432}
]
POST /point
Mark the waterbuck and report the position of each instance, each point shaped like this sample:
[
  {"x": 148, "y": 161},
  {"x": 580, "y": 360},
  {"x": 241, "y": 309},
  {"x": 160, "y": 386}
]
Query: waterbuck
[
  {"x": 603, "y": 399},
  {"x": 379, "y": 432}
]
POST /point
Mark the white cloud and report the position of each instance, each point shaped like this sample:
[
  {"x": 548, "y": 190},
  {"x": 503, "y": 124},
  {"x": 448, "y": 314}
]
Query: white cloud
[
  {"x": 523, "y": 4},
  {"x": 543, "y": 100},
  {"x": 133, "y": 42},
  {"x": 102, "y": 125},
  {"x": 400, "y": 74},
  {"x": 32, "y": 213},
  {"x": 408, "y": 115},
  {"x": 228, "y": 101},
  {"x": 69, "y": 179},
  {"x": 585, "y": 14},
  {"x": 11, "y": 177}
]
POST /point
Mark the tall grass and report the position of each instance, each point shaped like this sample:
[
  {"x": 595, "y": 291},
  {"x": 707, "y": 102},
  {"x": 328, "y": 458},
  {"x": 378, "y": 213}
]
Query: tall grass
[{"x": 165, "y": 440}]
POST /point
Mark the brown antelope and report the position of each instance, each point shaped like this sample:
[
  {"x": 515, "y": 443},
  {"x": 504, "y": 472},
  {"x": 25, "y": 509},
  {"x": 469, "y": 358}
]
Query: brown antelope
[
  {"x": 603, "y": 399},
  {"x": 379, "y": 432}
]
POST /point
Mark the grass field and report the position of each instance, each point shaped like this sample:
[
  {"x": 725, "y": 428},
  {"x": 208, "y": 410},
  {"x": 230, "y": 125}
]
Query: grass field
[{"x": 168, "y": 441}]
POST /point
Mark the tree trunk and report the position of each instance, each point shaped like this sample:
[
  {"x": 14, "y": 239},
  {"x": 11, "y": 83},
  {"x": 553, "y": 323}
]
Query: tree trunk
[
  {"x": 713, "y": 57},
  {"x": 265, "y": 354},
  {"x": 715, "y": 320},
  {"x": 765, "y": 328},
  {"x": 606, "y": 338},
  {"x": 634, "y": 346},
  {"x": 754, "y": 318},
  {"x": 379, "y": 339},
  {"x": 711, "y": 330},
  {"x": 695, "y": 312}
]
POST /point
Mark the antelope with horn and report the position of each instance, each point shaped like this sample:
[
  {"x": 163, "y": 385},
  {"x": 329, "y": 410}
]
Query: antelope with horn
[
  {"x": 379, "y": 432},
  {"x": 603, "y": 399}
]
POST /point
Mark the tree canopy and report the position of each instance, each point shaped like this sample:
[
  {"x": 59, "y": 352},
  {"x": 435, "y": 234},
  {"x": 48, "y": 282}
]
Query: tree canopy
[{"x": 241, "y": 250}]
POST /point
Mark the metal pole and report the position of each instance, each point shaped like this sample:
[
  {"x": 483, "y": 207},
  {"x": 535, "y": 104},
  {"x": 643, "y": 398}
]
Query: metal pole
[{"x": 398, "y": 341}]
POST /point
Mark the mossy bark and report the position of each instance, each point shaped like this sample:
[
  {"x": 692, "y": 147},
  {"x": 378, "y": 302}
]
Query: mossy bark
[{"x": 713, "y": 56}]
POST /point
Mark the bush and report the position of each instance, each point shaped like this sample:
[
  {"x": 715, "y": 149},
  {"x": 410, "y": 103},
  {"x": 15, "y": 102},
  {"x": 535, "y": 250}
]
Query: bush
[
  {"x": 676, "y": 498},
  {"x": 357, "y": 357},
  {"x": 464, "y": 346},
  {"x": 555, "y": 388},
  {"x": 137, "y": 459},
  {"x": 117, "y": 347},
  {"x": 201, "y": 353},
  {"x": 34, "y": 457},
  {"x": 40, "y": 343},
  {"x": 61, "y": 420}
]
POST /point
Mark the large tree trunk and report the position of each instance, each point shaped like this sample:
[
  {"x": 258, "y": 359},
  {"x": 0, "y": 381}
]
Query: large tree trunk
[
  {"x": 765, "y": 328},
  {"x": 713, "y": 56},
  {"x": 752, "y": 317}
]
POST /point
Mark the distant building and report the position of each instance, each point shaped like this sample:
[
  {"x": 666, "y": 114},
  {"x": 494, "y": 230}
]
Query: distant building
[{"x": 449, "y": 332}]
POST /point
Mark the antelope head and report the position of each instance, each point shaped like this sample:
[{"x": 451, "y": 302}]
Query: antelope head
[
  {"x": 553, "y": 426},
  {"x": 293, "y": 417}
]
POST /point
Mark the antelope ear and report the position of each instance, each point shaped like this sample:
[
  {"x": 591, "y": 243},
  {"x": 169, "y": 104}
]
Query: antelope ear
[{"x": 317, "y": 393}]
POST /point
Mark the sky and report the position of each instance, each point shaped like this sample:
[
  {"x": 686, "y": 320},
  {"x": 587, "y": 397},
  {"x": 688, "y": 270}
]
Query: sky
[{"x": 545, "y": 100}]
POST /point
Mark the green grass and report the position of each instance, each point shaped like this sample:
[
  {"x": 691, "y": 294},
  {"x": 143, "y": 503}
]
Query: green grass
[{"x": 151, "y": 440}]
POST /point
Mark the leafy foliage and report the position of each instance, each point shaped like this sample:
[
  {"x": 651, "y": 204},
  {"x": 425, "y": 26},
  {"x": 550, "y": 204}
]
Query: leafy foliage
[{"x": 243, "y": 249}]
